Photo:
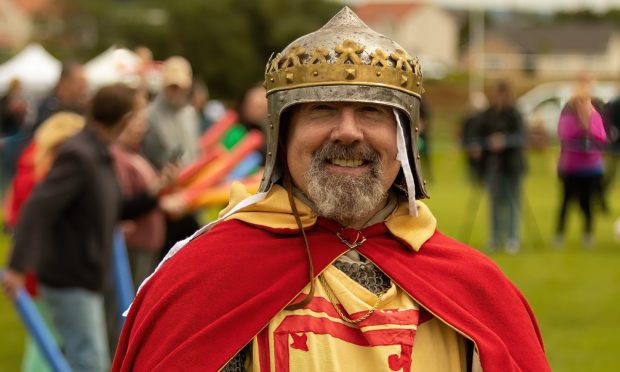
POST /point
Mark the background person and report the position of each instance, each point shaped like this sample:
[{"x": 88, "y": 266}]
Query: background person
[
  {"x": 503, "y": 139},
  {"x": 32, "y": 166},
  {"x": 469, "y": 131},
  {"x": 173, "y": 134},
  {"x": 426, "y": 139},
  {"x": 35, "y": 161},
  {"x": 253, "y": 108},
  {"x": 199, "y": 100},
  {"x": 69, "y": 94},
  {"x": 613, "y": 134},
  {"x": 580, "y": 167},
  {"x": 144, "y": 235},
  {"x": 13, "y": 139},
  {"x": 66, "y": 227},
  {"x": 13, "y": 109},
  {"x": 252, "y": 111},
  {"x": 173, "y": 122}
]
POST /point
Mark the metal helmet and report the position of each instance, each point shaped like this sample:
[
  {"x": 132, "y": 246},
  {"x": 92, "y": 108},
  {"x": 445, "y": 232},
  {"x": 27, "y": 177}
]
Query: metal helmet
[{"x": 343, "y": 61}]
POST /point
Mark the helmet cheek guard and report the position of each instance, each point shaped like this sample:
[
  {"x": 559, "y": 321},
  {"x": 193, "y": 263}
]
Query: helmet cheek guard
[{"x": 344, "y": 61}]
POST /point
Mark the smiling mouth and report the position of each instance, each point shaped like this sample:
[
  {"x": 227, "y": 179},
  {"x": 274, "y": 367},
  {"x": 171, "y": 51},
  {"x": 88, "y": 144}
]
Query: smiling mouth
[{"x": 348, "y": 163}]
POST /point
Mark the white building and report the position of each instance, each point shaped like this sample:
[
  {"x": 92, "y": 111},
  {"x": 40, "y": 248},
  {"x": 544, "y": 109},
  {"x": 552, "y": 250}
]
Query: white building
[
  {"x": 424, "y": 30},
  {"x": 555, "y": 51}
]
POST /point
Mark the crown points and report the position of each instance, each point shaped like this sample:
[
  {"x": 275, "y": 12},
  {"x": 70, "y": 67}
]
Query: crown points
[
  {"x": 417, "y": 66},
  {"x": 273, "y": 67},
  {"x": 349, "y": 51},
  {"x": 379, "y": 57},
  {"x": 319, "y": 55},
  {"x": 344, "y": 51},
  {"x": 291, "y": 58},
  {"x": 402, "y": 60}
]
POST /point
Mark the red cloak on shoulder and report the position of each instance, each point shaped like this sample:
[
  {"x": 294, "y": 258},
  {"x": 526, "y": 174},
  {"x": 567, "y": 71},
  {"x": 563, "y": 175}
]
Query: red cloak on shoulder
[{"x": 210, "y": 299}]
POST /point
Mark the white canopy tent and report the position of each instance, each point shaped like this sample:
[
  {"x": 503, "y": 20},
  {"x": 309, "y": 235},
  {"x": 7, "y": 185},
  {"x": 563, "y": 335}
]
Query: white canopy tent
[
  {"x": 35, "y": 67},
  {"x": 115, "y": 65}
]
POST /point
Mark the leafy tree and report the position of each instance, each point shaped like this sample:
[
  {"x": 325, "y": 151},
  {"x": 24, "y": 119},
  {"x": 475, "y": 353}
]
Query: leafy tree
[{"x": 227, "y": 42}]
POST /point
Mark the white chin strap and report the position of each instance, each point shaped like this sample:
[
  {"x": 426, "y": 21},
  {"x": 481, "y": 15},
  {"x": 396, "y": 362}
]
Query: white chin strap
[{"x": 402, "y": 157}]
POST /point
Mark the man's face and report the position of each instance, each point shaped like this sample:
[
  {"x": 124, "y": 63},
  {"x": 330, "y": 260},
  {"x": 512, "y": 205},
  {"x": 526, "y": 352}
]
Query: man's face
[
  {"x": 343, "y": 156},
  {"x": 199, "y": 99},
  {"x": 176, "y": 96},
  {"x": 75, "y": 88},
  {"x": 255, "y": 105},
  {"x": 136, "y": 126}
]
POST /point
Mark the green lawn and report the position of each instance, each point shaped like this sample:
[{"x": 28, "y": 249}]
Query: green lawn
[
  {"x": 11, "y": 330},
  {"x": 574, "y": 292}
]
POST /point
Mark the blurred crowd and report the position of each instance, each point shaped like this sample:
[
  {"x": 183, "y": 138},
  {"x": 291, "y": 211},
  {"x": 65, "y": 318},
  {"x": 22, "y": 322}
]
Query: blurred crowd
[
  {"x": 495, "y": 138},
  {"x": 80, "y": 165}
]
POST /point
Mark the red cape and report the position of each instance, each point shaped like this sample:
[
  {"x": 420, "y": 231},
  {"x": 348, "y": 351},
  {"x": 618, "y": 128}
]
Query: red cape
[{"x": 210, "y": 299}]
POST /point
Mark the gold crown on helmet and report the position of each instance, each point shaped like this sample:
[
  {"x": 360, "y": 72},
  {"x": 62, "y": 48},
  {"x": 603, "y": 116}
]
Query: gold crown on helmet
[{"x": 344, "y": 51}]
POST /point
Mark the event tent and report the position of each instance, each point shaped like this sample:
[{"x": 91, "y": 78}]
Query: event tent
[
  {"x": 35, "y": 67},
  {"x": 115, "y": 65}
]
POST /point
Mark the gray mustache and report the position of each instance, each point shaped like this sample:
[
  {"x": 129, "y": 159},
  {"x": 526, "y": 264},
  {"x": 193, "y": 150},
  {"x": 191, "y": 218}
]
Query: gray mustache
[{"x": 347, "y": 152}]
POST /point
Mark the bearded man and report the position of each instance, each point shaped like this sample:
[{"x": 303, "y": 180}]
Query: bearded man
[{"x": 333, "y": 265}]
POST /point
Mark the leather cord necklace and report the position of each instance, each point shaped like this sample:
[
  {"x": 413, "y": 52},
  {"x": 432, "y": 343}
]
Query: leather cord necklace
[{"x": 356, "y": 243}]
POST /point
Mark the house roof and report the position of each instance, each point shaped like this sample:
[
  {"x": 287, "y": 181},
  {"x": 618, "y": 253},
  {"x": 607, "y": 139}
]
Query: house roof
[
  {"x": 372, "y": 12},
  {"x": 570, "y": 38}
]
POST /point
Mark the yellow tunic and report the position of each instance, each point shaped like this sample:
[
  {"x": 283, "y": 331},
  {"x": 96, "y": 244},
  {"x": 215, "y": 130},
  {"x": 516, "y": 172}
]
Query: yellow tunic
[{"x": 316, "y": 338}]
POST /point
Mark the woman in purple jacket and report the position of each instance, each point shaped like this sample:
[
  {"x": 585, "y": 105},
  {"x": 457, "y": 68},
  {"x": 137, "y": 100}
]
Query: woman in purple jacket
[{"x": 580, "y": 168}]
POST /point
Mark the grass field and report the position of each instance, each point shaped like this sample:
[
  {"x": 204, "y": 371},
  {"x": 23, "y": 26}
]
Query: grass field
[{"x": 574, "y": 292}]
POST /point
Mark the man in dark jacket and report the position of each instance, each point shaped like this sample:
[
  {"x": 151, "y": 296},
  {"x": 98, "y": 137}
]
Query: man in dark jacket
[
  {"x": 502, "y": 138},
  {"x": 66, "y": 228}
]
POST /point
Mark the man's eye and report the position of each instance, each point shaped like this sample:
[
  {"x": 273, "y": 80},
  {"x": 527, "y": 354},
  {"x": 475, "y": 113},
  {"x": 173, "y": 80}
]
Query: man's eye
[
  {"x": 370, "y": 109},
  {"x": 322, "y": 108}
]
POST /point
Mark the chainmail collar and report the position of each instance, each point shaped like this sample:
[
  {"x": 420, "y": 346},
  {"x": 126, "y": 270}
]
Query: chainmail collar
[{"x": 353, "y": 264}]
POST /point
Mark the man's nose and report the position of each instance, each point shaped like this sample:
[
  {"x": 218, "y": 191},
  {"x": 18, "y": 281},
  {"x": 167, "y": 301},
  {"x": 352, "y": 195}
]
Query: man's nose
[{"x": 347, "y": 130}]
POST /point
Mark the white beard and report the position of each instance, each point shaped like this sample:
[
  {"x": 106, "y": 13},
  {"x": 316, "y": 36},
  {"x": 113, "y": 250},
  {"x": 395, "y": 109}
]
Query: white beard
[{"x": 345, "y": 198}]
